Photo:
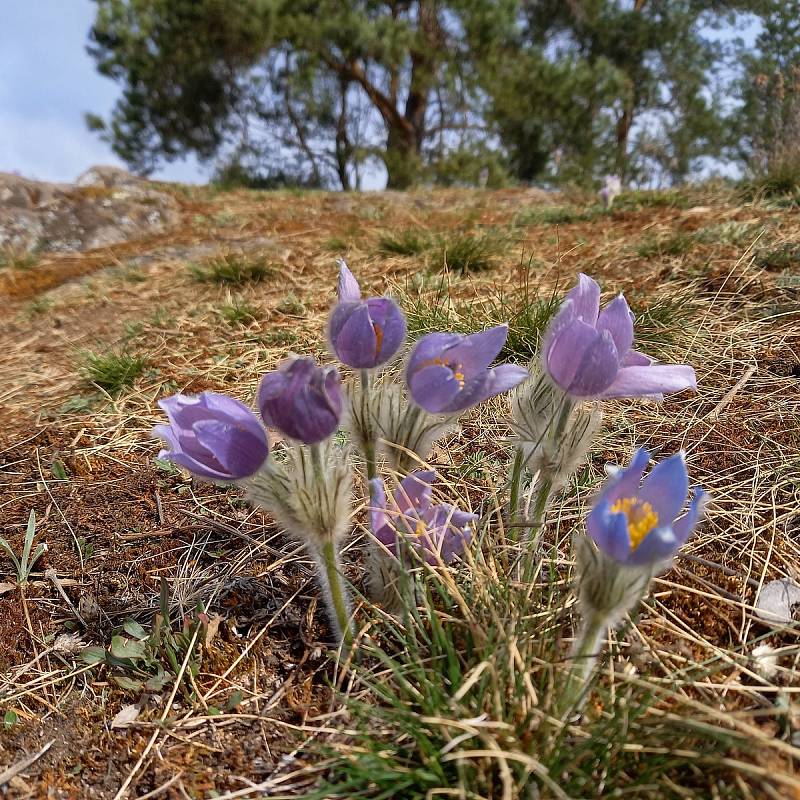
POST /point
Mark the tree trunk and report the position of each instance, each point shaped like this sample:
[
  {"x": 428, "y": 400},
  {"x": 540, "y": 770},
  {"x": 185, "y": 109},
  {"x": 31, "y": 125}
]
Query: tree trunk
[{"x": 401, "y": 158}]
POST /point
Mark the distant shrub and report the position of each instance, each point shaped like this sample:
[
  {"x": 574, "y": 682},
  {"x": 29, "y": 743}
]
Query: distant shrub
[{"x": 776, "y": 161}]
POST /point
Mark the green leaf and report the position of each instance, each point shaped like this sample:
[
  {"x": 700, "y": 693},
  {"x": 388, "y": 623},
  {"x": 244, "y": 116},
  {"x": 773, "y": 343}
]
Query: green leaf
[
  {"x": 127, "y": 683},
  {"x": 133, "y": 628},
  {"x": 234, "y": 700},
  {"x": 10, "y": 719},
  {"x": 93, "y": 655},
  {"x": 59, "y": 470},
  {"x": 125, "y": 648},
  {"x": 213, "y": 711}
]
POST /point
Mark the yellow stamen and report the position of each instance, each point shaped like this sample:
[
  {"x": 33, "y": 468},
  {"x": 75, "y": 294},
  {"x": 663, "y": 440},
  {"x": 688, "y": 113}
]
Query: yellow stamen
[
  {"x": 640, "y": 515},
  {"x": 421, "y": 528},
  {"x": 457, "y": 373}
]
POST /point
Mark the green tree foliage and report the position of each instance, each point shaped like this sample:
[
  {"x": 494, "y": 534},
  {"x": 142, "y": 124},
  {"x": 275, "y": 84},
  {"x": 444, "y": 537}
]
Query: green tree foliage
[
  {"x": 326, "y": 83},
  {"x": 609, "y": 86},
  {"x": 768, "y": 122}
]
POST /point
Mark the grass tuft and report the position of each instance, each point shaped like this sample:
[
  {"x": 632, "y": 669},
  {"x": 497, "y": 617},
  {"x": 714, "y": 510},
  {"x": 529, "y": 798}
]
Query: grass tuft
[
  {"x": 409, "y": 242},
  {"x": 463, "y": 253},
  {"x": 784, "y": 256},
  {"x": 526, "y": 312},
  {"x": 461, "y": 700},
  {"x": 677, "y": 244},
  {"x": 232, "y": 268},
  {"x": 112, "y": 372},
  {"x": 237, "y": 311}
]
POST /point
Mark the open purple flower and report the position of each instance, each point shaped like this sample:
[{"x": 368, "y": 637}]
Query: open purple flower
[
  {"x": 213, "y": 436},
  {"x": 302, "y": 400},
  {"x": 588, "y": 353},
  {"x": 636, "y": 525},
  {"x": 364, "y": 333},
  {"x": 441, "y": 528},
  {"x": 449, "y": 372}
]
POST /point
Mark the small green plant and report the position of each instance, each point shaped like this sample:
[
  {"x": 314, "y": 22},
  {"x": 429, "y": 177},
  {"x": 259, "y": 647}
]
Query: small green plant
[
  {"x": 112, "y": 372},
  {"x": 522, "y": 308},
  {"x": 24, "y": 565},
  {"x": 463, "y": 252},
  {"x": 232, "y": 268},
  {"x": 409, "y": 242},
  {"x": 637, "y": 199},
  {"x": 38, "y": 306},
  {"x": 142, "y": 661},
  {"x": 335, "y": 245},
  {"x": 677, "y": 244},
  {"x": 785, "y": 256},
  {"x": 237, "y": 311},
  {"x": 291, "y": 306},
  {"x": 17, "y": 259},
  {"x": 731, "y": 232},
  {"x": 658, "y": 324},
  {"x": 279, "y": 337}
]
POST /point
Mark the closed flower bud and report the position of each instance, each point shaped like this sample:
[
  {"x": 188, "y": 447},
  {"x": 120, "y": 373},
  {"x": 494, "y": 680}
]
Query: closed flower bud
[
  {"x": 302, "y": 400},
  {"x": 213, "y": 436}
]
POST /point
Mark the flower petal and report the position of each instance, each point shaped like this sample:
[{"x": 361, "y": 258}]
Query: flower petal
[
  {"x": 355, "y": 342},
  {"x": 413, "y": 495},
  {"x": 378, "y": 519},
  {"x": 625, "y": 482},
  {"x": 609, "y": 531},
  {"x": 666, "y": 488},
  {"x": 597, "y": 368},
  {"x": 616, "y": 318},
  {"x": 566, "y": 340},
  {"x": 658, "y": 546},
  {"x": 238, "y": 451},
  {"x": 434, "y": 388},
  {"x": 476, "y": 351},
  {"x": 685, "y": 525},
  {"x": 652, "y": 380},
  {"x": 390, "y": 324},
  {"x": 635, "y": 359},
  {"x": 349, "y": 290},
  {"x": 504, "y": 378},
  {"x": 429, "y": 348},
  {"x": 585, "y": 298}
]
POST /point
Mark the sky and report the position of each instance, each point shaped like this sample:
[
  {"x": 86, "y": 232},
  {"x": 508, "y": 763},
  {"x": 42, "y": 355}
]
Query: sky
[{"x": 47, "y": 82}]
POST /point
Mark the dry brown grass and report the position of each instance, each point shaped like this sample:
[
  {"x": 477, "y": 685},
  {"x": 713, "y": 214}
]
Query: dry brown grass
[{"x": 118, "y": 523}]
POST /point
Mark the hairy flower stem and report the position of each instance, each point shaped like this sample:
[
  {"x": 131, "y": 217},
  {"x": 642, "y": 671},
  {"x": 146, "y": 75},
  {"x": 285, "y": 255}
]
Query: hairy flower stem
[
  {"x": 330, "y": 572},
  {"x": 516, "y": 485},
  {"x": 335, "y": 594},
  {"x": 369, "y": 443},
  {"x": 584, "y": 656},
  {"x": 532, "y": 536}
]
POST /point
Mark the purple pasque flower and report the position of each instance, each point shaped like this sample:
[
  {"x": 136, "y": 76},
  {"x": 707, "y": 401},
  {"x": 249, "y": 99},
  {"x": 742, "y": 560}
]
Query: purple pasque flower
[
  {"x": 364, "y": 333},
  {"x": 636, "y": 525},
  {"x": 449, "y": 372},
  {"x": 436, "y": 529},
  {"x": 302, "y": 400},
  {"x": 588, "y": 353},
  {"x": 213, "y": 436},
  {"x": 612, "y": 187}
]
